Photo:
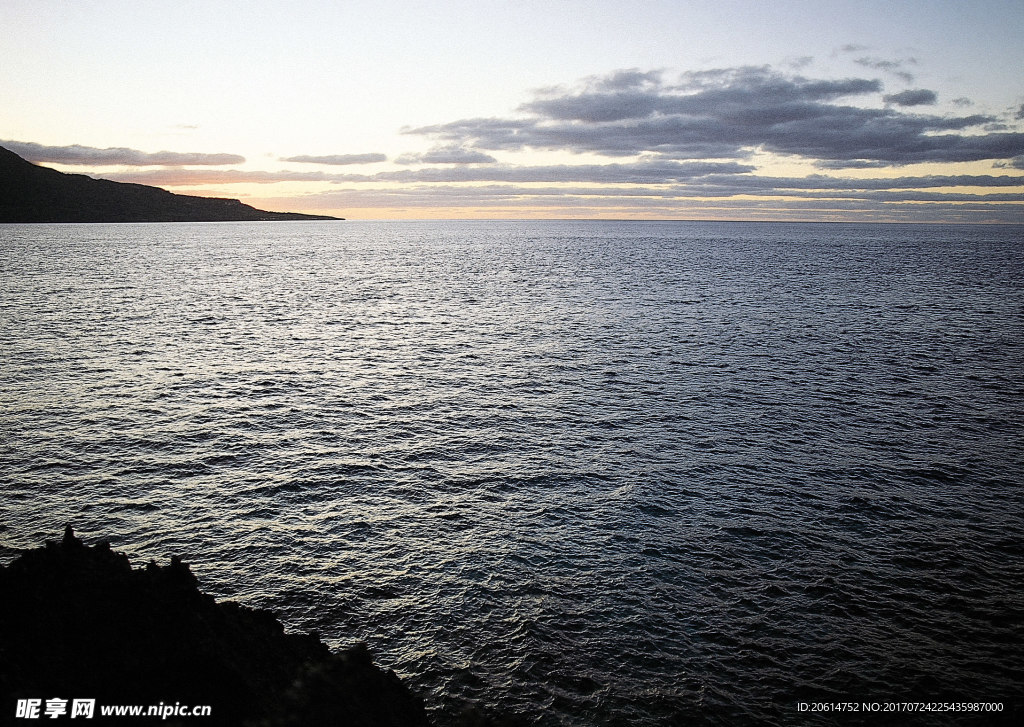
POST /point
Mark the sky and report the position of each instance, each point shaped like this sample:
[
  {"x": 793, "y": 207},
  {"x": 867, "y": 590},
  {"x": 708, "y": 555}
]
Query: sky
[{"x": 898, "y": 111}]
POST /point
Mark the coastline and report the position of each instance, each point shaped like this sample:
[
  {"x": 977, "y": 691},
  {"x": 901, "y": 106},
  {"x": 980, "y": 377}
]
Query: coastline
[{"x": 80, "y": 625}]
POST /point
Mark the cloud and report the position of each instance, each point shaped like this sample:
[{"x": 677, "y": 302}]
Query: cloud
[
  {"x": 896, "y": 68},
  {"x": 1020, "y": 113},
  {"x": 658, "y": 172},
  {"x": 914, "y": 97},
  {"x": 649, "y": 177},
  {"x": 447, "y": 155},
  {"x": 628, "y": 79},
  {"x": 682, "y": 202},
  {"x": 91, "y": 156},
  {"x": 852, "y": 164},
  {"x": 199, "y": 177},
  {"x": 753, "y": 184},
  {"x": 737, "y": 92},
  {"x": 742, "y": 81},
  {"x": 338, "y": 159},
  {"x": 617, "y": 195},
  {"x": 728, "y": 114}
]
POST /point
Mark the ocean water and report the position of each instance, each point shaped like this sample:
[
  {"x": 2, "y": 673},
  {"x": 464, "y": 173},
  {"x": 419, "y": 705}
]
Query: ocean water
[{"x": 582, "y": 473}]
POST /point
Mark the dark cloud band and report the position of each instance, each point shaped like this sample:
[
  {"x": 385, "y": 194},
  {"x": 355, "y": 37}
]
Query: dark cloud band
[
  {"x": 338, "y": 159},
  {"x": 728, "y": 113},
  {"x": 91, "y": 156}
]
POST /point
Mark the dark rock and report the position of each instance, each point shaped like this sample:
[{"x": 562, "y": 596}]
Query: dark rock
[
  {"x": 30, "y": 193},
  {"x": 79, "y": 622}
]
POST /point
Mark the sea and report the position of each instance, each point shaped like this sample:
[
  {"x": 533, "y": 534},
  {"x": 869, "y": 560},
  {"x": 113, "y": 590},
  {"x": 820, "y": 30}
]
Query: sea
[{"x": 563, "y": 473}]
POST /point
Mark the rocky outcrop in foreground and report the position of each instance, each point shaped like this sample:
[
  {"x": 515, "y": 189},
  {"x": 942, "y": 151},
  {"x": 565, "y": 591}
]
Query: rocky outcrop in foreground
[{"x": 79, "y": 622}]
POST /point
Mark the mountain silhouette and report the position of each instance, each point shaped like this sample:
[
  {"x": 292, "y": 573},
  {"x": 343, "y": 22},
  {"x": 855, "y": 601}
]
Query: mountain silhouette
[{"x": 30, "y": 193}]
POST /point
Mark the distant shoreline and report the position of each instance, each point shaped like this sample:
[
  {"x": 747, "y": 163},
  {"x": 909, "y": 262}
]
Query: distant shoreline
[{"x": 32, "y": 194}]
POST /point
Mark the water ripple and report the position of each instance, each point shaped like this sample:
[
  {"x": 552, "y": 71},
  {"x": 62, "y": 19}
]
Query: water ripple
[{"x": 587, "y": 473}]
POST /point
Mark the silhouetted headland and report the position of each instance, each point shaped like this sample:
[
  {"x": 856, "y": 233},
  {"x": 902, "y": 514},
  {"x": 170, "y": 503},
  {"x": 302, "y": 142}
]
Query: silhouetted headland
[
  {"x": 79, "y": 622},
  {"x": 30, "y": 193}
]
